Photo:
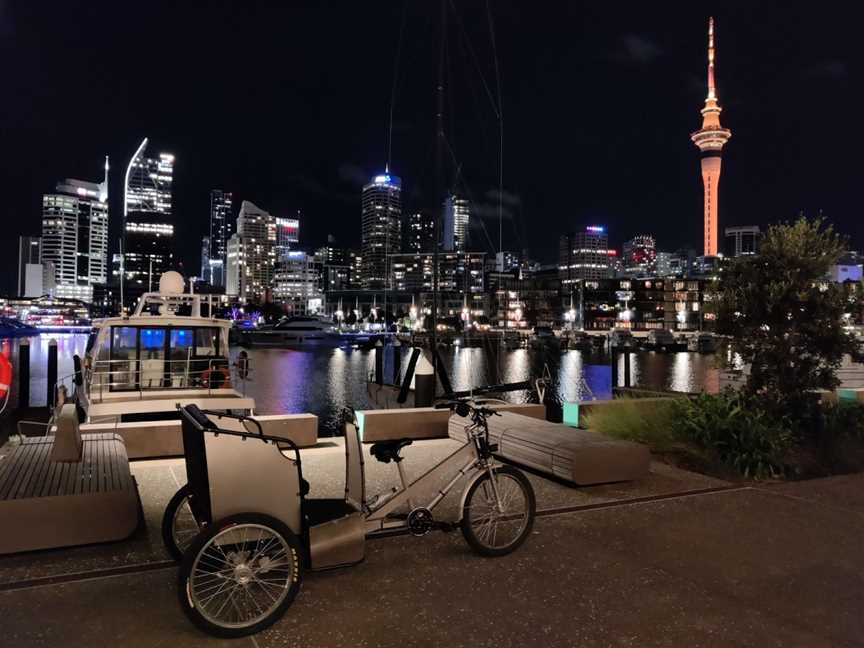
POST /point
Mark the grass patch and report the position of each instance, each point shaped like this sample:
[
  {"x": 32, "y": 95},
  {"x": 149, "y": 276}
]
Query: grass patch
[{"x": 633, "y": 419}]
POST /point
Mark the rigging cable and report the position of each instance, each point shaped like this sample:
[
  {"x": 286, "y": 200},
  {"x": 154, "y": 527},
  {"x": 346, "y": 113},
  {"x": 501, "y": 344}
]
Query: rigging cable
[
  {"x": 396, "y": 66},
  {"x": 500, "y": 128}
]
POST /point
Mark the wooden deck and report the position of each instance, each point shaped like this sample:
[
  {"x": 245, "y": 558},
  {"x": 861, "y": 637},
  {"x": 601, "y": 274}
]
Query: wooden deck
[{"x": 46, "y": 504}]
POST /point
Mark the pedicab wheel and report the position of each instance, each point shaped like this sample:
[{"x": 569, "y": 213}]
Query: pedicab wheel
[
  {"x": 493, "y": 532},
  {"x": 240, "y": 575},
  {"x": 179, "y": 525}
]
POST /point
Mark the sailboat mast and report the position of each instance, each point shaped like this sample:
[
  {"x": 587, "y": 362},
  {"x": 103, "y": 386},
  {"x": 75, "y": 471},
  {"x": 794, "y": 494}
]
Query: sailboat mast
[{"x": 439, "y": 188}]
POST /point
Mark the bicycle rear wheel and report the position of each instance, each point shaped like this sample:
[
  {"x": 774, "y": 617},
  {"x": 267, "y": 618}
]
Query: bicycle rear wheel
[{"x": 491, "y": 531}]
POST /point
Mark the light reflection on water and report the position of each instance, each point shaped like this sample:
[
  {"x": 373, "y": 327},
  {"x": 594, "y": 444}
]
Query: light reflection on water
[
  {"x": 325, "y": 381},
  {"x": 68, "y": 344}
]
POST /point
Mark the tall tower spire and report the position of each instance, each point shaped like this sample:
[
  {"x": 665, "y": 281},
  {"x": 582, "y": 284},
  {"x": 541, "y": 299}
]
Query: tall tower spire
[{"x": 710, "y": 139}]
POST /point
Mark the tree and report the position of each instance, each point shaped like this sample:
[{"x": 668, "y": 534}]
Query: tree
[{"x": 785, "y": 315}]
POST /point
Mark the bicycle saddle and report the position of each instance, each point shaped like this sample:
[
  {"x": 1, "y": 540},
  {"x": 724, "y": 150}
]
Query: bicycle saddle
[{"x": 387, "y": 451}]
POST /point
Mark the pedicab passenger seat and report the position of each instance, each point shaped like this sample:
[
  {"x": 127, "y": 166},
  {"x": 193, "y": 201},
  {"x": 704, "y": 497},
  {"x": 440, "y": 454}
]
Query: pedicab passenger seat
[
  {"x": 231, "y": 472},
  {"x": 336, "y": 527}
]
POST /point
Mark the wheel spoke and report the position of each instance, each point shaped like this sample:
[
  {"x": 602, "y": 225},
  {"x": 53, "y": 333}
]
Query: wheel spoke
[
  {"x": 494, "y": 526},
  {"x": 228, "y": 584}
]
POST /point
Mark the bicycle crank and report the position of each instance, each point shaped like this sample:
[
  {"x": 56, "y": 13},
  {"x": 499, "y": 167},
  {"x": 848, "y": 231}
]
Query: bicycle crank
[{"x": 420, "y": 521}]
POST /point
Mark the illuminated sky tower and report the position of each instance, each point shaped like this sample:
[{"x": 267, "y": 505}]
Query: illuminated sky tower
[{"x": 710, "y": 140}]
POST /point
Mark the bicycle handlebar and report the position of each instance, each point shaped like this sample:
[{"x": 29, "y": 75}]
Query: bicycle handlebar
[{"x": 463, "y": 408}]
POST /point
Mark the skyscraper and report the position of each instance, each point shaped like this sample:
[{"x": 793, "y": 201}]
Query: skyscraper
[
  {"x": 29, "y": 266},
  {"x": 75, "y": 236},
  {"x": 287, "y": 235},
  {"x": 419, "y": 232},
  {"x": 251, "y": 254},
  {"x": 584, "y": 255},
  {"x": 454, "y": 232},
  {"x": 221, "y": 205},
  {"x": 381, "y": 211},
  {"x": 710, "y": 139},
  {"x": 148, "y": 228},
  {"x": 639, "y": 256},
  {"x": 742, "y": 240}
]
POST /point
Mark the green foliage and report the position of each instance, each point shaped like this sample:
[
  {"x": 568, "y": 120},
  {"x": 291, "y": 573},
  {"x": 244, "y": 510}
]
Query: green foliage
[
  {"x": 744, "y": 435},
  {"x": 784, "y": 317},
  {"x": 633, "y": 419},
  {"x": 844, "y": 420}
]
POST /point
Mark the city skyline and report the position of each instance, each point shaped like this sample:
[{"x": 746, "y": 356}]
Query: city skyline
[{"x": 327, "y": 188}]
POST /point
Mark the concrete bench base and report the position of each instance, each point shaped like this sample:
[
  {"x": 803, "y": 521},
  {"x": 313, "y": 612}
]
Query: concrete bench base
[
  {"x": 577, "y": 456},
  {"x": 147, "y": 439},
  {"x": 424, "y": 422},
  {"x": 46, "y": 504}
]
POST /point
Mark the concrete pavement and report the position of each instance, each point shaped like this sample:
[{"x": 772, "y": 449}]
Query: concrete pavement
[{"x": 768, "y": 566}]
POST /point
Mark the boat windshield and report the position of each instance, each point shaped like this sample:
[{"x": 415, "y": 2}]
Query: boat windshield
[{"x": 137, "y": 358}]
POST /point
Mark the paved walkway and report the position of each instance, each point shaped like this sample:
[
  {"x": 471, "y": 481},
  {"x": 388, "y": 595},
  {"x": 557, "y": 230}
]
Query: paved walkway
[{"x": 772, "y": 566}]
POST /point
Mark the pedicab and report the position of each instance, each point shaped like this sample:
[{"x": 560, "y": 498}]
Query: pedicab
[{"x": 244, "y": 529}]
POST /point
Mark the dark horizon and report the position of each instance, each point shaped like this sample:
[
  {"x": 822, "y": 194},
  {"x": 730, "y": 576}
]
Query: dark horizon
[{"x": 288, "y": 107}]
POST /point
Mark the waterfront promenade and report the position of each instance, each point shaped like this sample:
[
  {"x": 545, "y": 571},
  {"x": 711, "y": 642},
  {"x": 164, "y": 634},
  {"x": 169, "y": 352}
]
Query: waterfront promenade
[{"x": 674, "y": 560}]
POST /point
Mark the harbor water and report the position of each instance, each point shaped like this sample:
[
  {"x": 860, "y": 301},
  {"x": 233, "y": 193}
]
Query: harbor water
[{"x": 324, "y": 381}]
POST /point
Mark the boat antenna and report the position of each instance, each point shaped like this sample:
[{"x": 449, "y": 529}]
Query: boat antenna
[{"x": 395, "y": 84}]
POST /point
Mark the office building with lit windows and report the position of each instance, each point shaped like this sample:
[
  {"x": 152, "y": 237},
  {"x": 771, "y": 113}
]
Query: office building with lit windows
[
  {"x": 380, "y": 232},
  {"x": 419, "y": 232},
  {"x": 251, "y": 255},
  {"x": 639, "y": 256},
  {"x": 297, "y": 284},
  {"x": 454, "y": 231},
  {"x": 742, "y": 240},
  {"x": 584, "y": 255},
  {"x": 29, "y": 266},
  {"x": 148, "y": 226},
  {"x": 287, "y": 236},
  {"x": 75, "y": 237},
  {"x": 221, "y": 210}
]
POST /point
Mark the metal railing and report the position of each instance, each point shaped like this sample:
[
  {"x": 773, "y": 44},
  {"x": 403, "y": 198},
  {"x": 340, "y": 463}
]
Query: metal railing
[{"x": 136, "y": 377}]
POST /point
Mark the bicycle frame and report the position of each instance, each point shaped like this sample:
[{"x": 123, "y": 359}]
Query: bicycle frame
[{"x": 471, "y": 465}]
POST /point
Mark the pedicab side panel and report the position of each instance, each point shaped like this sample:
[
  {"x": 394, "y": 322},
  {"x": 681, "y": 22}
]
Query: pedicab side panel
[
  {"x": 355, "y": 468},
  {"x": 342, "y": 541},
  {"x": 338, "y": 542},
  {"x": 248, "y": 475}
]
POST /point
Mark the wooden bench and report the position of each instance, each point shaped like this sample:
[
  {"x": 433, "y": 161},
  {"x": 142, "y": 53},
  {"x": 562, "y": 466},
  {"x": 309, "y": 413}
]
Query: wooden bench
[
  {"x": 577, "y": 456},
  {"x": 423, "y": 422},
  {"x": 49, "y": 497}
]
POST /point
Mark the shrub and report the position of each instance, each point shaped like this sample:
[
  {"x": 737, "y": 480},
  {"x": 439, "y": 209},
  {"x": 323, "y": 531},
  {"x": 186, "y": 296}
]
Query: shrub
[
  {"x": 744, "y": 435},
  {"x": 843, "y": 420}
]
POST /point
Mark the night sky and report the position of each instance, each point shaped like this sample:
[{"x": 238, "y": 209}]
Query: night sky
[{"x": 288, "y": 107}]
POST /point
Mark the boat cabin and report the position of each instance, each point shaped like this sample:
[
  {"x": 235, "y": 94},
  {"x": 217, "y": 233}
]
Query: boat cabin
[{"x": 171, "y": 343}]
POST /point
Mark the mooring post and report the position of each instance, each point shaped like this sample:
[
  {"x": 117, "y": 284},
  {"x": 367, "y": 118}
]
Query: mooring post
[
  {"x": 24, "y": 373},
  {"x": 379, "y": 363},
  {"x": 424, "y": 383},
  {"x": 397, "y": 360},
  {"x": 626, "y": 366},
  {"x": 52, "y": 373}
]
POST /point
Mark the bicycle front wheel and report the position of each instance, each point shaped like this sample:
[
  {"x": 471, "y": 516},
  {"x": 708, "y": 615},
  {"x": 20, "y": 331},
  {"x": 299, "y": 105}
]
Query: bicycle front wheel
[{"x": 493, "y": 530}]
